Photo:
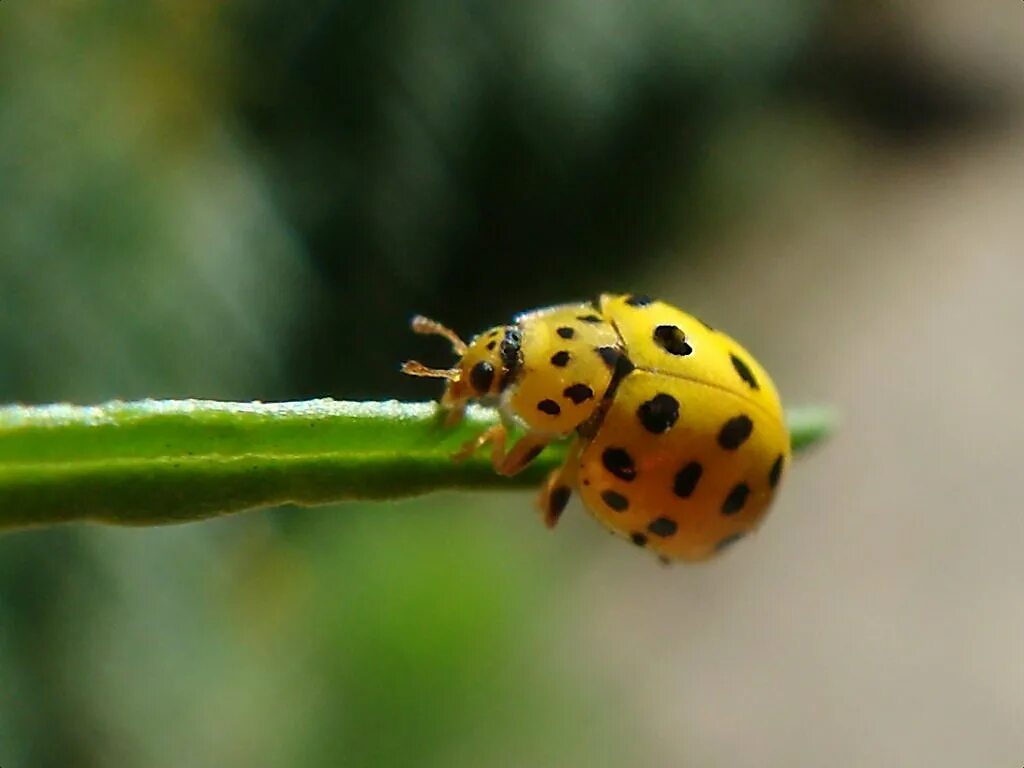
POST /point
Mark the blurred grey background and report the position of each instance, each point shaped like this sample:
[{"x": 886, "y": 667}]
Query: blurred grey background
[{"x": 248, "y": 200}]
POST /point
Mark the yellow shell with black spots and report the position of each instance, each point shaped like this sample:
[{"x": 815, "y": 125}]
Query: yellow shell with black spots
[
  {"x": 679, "y": 437},
  {"x": 692, "y": 444}
]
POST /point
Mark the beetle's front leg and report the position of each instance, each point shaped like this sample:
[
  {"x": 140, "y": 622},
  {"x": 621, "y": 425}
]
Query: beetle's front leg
[{"x": 505, "y": 462}]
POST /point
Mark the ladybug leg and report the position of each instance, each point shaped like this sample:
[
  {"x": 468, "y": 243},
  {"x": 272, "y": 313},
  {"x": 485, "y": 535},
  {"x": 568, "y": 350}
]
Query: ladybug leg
[
  {"x": 495, "y": 435},
  {"x": 453, "y": 415},
  {"x": 526, "y": 450},
  {"x": 558, "y": 487},
  {"x": 505, "y": 462}
]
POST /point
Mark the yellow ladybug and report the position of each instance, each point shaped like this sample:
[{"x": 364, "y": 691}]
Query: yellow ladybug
[{"x": 679, "y": 437}]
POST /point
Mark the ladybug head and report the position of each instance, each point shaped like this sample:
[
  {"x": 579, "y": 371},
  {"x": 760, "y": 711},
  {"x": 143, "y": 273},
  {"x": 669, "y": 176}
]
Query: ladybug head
[{"x": 485, "y": 367}]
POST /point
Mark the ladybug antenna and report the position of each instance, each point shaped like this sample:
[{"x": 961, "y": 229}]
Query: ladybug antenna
[
  {"x": 428, "y": 327},
  {"x": 414, "y": 368}
]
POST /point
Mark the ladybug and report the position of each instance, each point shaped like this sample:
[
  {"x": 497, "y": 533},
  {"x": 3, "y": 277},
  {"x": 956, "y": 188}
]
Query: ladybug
[{"x": 678, "y": 435}]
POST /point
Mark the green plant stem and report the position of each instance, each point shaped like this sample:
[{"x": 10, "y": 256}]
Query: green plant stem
[{"x": 161, "y": 461}]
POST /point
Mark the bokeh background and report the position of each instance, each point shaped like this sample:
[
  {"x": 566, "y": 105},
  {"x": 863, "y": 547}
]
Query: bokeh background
[{"x": 249, "y": 199}]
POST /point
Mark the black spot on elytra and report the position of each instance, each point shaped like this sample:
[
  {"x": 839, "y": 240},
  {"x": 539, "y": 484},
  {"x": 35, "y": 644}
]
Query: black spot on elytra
[
  {"x": 686, "y": 480},
  {"x": 482, "y": 376},
  {"x": 578, "y": 393},
  {"x": 623, "y": 367},
  {"x": 492, "y": 344},
  {"x": 590, "y": 319},
  {"x": 663, "y": 526},
  {"x": 639, "y": 539},
  {"x": 619, "y": 364},
  {"x": 565, "y": 332},
  {"x": 619, "y": 463},
  {"x": 736, "y": 499},
  {"x": 639, "y": 300},
  {"x": 558, "y": 499},
  {"x": 659, "y": 413},
  {"x": 672, "y": 340},
  {"x": 776, "y": 472},
  {"x": 728, "y": 541},
  {"x": 550, "y": 407},
  {"x": 735, "y": 432},
  {"x": 614, "y": 500},
  {"x": 744, "y": 371},
  {"x": 561, "y": 359}
]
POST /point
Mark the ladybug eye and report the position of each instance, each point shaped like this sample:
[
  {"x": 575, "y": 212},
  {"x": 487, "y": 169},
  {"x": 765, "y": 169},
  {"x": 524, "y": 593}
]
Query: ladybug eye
[{"x": 481, "y": 376}]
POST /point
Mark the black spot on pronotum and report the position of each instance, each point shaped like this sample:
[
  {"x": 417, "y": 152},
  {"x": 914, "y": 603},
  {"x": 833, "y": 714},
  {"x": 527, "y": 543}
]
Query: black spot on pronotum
[
  {"x": 744, "y": 372},
  {"x": 735, "y": 432},
  {"x": 565, "y": 332},
  {"x": 663, "y": 526},
  {"x": 736, "y": 499},
  {"x": 619, "y": 463},
  {"x": 558, "y": 499},
  {"x": 639, "y": 300},
  {"x": 672, "y": 340},
  {"x": 639, "y": 539},
  {"x": 481, "y": 376},
  {"x": 659, "y": 413},
  {"x": 560, "y": 359},
  {"x": 550, "y": 407},
  {"x": 776, "y": 472},
  {"x": 590, "y": 319},
  {"x": 728, "y": 541},
  {"x": 686, "y": 480},
  {"x": 578, "y": 393},
  {"x": 615, "y": 501}
]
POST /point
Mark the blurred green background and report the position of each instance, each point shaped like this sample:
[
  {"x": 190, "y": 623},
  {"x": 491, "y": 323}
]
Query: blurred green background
[{"x": 248, "y": 200}]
